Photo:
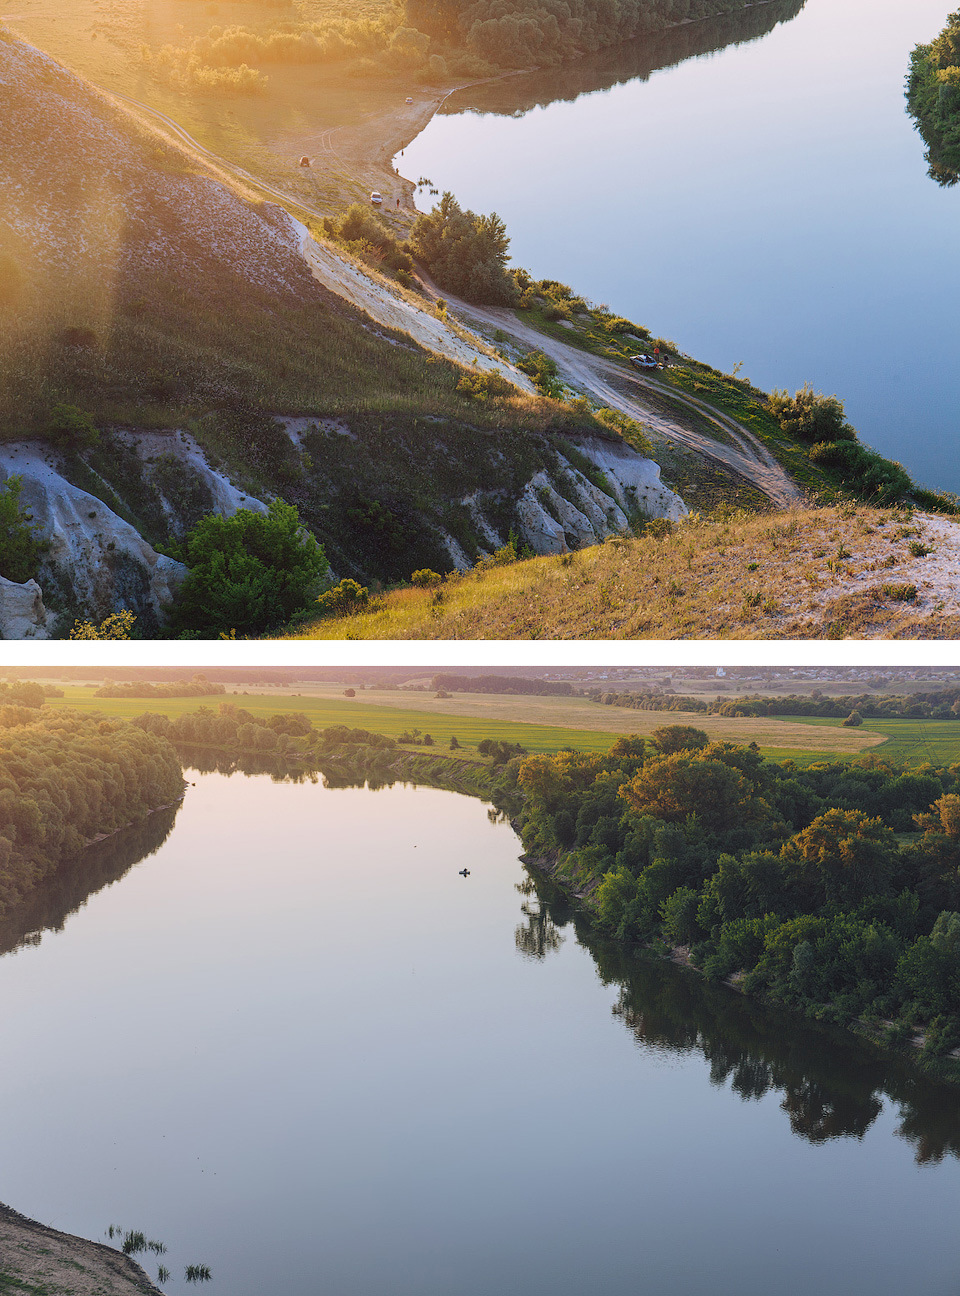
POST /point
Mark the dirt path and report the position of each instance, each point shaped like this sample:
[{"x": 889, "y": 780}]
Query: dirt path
[{"x": 748, "y": 456}]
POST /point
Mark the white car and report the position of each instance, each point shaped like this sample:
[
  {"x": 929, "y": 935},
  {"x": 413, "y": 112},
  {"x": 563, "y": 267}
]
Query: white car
[
  {"x": 409, "y": 98},
  {"x": 376, "y": 198},
  {"x": 644, "y": 361}
]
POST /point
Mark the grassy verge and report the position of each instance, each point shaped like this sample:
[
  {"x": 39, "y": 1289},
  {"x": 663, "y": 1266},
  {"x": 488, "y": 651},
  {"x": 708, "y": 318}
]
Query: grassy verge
[{"x": 817, "y": 573}]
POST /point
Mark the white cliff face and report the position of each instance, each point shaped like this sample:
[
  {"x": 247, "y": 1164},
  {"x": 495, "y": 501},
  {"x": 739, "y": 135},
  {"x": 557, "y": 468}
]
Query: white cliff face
[
  {"x": 107, "y": 562},
  {"x": 225, "y": 498},
  {"x": 635, "y": 481},
  {"x": 551, "y": 522},
  {"x": 22, "y": 614}
]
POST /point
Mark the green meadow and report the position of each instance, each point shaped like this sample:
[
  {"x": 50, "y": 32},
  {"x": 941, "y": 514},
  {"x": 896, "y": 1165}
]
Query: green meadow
[
  {"x": 908, "y": 742},
  {"x": 469, "y": 730}
]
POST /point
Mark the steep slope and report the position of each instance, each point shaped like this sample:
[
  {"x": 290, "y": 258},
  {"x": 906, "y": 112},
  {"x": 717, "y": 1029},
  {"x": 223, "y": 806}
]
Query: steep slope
[{"x": 143, "y": 285}]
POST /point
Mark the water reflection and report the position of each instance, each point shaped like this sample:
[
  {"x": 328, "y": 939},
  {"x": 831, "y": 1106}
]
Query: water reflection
[
  {"x": 515, "y": 95},
  {"x": 48, "y": 906},
  {"x": 832, "y": 1085}
]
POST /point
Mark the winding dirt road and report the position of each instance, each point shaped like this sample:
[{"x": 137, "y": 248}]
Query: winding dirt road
[
  {"x": 747, "y": 456},
  {"x": 607, "y": 382}
]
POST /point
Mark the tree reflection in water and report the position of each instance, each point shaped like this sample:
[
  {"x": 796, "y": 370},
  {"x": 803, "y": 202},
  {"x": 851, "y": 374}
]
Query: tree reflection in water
[
  {"x": 515, "y": 95},
  {"x": 832, "y": 1084},
  {"x": 48, "y": 906}
]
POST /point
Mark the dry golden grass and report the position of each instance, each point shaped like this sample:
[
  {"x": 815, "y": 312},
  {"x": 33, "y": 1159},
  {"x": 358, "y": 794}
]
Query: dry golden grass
[{"x": 836, "y": 572}]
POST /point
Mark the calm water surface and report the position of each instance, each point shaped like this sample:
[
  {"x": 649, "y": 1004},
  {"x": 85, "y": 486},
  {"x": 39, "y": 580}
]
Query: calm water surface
[
  {"x": 767, "y": 203},
  {"x": 294, "y": 1044}
]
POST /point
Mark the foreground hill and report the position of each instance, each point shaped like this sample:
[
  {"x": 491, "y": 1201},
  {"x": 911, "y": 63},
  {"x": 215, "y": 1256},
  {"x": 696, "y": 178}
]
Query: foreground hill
[
  {"x": 39, "y": 1261},
  {"x": 838, "y": 572}
]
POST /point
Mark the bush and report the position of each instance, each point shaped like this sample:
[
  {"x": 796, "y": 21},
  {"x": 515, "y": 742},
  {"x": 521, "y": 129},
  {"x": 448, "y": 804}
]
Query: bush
[
  {"x": 426, "y": 579},
  {"x": 118, "y": 625},
  {"x": 250, "y": 573},
  {"x": 811, "y": 416},
  {"x": 69, "y": 428},
  {"x": 344, "y": 599}
]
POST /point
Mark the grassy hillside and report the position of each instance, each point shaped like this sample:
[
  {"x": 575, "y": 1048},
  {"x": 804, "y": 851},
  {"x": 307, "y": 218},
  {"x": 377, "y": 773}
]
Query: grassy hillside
[
  {"x": 820, "y": 573},
  {"x": 147, "y": 290}
]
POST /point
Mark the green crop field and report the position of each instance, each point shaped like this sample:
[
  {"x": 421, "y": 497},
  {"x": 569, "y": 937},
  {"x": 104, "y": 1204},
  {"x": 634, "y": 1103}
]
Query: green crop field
[
  {"x": 390, "y": 720},
  {"x": 908, "y": 742}
]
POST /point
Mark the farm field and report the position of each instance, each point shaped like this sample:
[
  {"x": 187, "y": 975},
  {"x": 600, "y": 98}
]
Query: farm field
[
  {"x": 905, "y": 742},
  {"x": 541, "y": 724}
]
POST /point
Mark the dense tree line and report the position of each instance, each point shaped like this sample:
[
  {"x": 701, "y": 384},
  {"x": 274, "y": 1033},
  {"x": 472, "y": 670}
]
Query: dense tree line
[
  {"x": 64, "y": 780},
  {"x": 938, "y": 704},
  {"x": 933, "y": 97},
  {"x": 519, "y": 33},
  {"x": 27, "y": 693},
  {"x": 230, "y": 727},
  {"x": 503, "y": 684},
  {"x": 793, "y": 882},
  {"x": 199, "y": 686}
]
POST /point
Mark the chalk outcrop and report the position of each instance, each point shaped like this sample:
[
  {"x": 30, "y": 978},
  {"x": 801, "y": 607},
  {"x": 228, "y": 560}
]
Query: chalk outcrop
[
  {"x": 565, "y": 509},
  {"x": 94, "y": 560},
  {"x": 22, "y": 613}
]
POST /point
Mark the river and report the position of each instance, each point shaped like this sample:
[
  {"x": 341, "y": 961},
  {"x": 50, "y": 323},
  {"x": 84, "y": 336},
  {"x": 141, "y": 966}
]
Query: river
[
  {"x": 278, "y": 1031},
  {"x": 764, "y": 202}
]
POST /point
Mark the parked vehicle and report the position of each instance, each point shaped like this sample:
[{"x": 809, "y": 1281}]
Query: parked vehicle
[
  {"x": 644, "y": 362},
  {"x": 376, "y": 198}
]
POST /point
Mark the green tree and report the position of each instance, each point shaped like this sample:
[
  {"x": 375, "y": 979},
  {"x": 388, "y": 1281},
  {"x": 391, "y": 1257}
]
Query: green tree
[
  {"x": 466, "y": 254},
  {"x": 20, "y": 549},
  {"x": 676, "y": 738},
  {"x": 250, "y": 573}
]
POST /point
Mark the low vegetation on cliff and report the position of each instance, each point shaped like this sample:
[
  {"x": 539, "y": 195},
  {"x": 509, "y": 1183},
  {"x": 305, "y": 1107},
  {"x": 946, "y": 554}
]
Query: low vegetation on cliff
[{"x": 847, "y": 570}]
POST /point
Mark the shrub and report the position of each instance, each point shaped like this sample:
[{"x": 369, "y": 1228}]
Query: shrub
[
  {"x": 118, "y": 625},
  {"x": 250, "y": 573},
  {"x": 344, "y": 599},
  {"x": 426, "y": 579},
  {"x": 69, "y": 428},
  {"x": 20, "y": 549}
]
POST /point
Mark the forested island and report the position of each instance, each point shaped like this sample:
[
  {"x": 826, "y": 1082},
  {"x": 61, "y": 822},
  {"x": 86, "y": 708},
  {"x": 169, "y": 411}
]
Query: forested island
[{"x": 933, "y": 97}]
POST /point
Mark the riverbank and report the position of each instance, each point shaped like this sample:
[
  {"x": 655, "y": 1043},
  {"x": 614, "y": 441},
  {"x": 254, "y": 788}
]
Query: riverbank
[
  {"x": 909, "y": 1047},
  {"x": 39, "y": 1261}
]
